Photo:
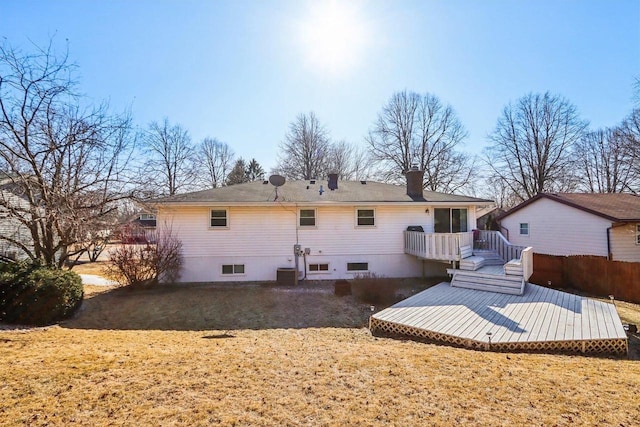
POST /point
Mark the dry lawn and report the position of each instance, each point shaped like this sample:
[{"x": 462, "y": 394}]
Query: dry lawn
[
  {"x": 253, "y": 355},
  {"x": 98, "y": 268}
]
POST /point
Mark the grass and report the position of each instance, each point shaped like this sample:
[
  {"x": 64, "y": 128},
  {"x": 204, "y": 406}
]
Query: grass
[
  {"x": 97, "y": 268},
  {"x": 297, "y": 376},
  {"x": 254, "y": 355}
]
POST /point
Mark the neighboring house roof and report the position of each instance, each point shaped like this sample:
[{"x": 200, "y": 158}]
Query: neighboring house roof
[
  {"x": 308, "y": 192},
  {"x": 489, "y": 210},
  {"x": 615, "y": 207}
]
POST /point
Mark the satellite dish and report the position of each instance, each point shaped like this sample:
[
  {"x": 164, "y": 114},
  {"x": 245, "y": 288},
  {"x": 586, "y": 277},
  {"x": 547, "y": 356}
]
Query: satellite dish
[{"x": 277, "y": 180}]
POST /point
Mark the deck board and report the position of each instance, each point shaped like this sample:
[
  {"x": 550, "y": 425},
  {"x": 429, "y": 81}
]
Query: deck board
[{"x": 540, "y": 319}]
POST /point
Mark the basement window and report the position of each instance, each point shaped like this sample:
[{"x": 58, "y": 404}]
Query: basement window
[
  {"x": 524, "y": 228},
  {"x": 318, "y": 268},
  {"x": 357, "y": 266},
  {"x": 232, "y": 269}
]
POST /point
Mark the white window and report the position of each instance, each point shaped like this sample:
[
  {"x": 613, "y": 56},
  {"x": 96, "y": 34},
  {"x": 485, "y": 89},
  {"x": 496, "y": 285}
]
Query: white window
[
  {"x": 637, "y": 234},
  {"x": 318, "y": 268},
  {"x": 307, "y": 218},
  {"x": 365, "y": 217},
  {"x": 524, "y": 228},
  {"x": 146, "y": 216},
  {"x": 233, "y": 269},
  {"x": 219, "y": 218},
  {"x": 357, "y": 266}
]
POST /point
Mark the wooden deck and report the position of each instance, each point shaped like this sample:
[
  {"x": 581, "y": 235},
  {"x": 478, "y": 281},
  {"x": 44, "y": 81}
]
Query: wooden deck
[{"x": 542, "y": 319}]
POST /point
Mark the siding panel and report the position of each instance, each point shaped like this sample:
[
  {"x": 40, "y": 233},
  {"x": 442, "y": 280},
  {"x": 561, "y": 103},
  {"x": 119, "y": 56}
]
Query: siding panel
[{"x": 623, "y": 243}]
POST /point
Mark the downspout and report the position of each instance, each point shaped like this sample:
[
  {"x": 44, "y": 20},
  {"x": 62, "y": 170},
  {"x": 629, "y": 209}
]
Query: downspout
[
  {"x": 304, "y": 257},
  {"x": 609, "y": 254}
]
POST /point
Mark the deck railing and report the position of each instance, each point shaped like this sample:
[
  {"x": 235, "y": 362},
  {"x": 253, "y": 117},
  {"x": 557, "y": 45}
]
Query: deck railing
[
  {"x": 437, "y": 246},
  {"x": 527, "y": 263},
  {"x": 495, "y": 241}
]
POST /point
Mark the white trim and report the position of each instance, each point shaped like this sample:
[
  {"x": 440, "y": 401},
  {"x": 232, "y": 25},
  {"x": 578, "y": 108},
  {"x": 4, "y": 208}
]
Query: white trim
[{"x": 520, "y": 233}]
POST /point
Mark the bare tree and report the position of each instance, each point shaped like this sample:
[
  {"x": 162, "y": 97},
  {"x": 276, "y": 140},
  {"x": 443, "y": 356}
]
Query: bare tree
[
  {"x": 415, "y": 129},
  {"x": 629, "y": 132},
  {"x": 497, "y": 190},
  {"x": 65, "y": 163},
  {"x": 604, "y": 164},
  {"x": 169, "y": 166},
  {"x": 532, "y": 145},
  {"x": 304, "y": 152},
  {"x": 349, "y": 161},
  {"x": 215, "y": 158}
]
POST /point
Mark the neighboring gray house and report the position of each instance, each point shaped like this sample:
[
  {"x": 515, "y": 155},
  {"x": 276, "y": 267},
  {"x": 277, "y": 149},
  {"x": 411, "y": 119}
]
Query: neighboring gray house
[
  {"x": 600, "y": 224},
  {"x": 10, "y": 227}
]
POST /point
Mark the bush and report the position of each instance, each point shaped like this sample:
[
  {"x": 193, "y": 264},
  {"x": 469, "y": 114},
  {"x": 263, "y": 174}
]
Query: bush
[
  {"x": 373, "y": 289},
  {"x": 140, "y": 266},
  {"x": 35, "y": 295}
]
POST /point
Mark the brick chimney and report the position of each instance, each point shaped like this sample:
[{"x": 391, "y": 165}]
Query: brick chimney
[
  {"x": 333, "y": 181},
  {"x": 414, "y": 182}
]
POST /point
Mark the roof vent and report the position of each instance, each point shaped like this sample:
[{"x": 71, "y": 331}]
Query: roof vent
[
  {"x": 313, "y": 181},
  {"x": 321, "y": 190},
  {"x": 363, "y": 182},
  {"x": 265, "y": 182}
]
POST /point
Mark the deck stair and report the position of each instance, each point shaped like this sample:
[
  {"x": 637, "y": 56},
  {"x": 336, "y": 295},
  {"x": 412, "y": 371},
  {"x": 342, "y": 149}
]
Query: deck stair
[
  {"x": 485, "y": 279},
  {"x": 490, "y": 257}
]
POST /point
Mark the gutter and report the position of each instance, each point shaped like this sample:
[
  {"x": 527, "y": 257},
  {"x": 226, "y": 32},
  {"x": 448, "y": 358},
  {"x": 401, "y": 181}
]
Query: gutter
[{"x": 315, "y": 203}]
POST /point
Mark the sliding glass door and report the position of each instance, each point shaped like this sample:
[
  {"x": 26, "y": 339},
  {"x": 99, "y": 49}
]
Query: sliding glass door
[{"x": 450, "y": 220}]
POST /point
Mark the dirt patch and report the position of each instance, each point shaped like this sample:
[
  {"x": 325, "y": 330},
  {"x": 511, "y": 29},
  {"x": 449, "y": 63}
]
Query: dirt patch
[{"x": 231, "y": 306}]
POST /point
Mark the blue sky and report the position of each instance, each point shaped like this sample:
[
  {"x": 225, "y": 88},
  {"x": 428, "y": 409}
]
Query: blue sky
[{"x": 241, "y": 71}]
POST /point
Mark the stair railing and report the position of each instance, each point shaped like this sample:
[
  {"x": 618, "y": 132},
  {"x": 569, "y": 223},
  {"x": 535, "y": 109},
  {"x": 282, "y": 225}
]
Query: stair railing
[{"x": 496, "y": 242}]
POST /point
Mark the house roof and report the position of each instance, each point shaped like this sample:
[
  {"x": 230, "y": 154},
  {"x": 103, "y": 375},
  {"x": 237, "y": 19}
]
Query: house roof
[
  {"x": 615, "y": 207},
  {"x": 309, "y": 192}
]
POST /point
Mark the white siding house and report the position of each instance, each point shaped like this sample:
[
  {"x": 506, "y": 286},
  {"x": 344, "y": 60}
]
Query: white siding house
[
  {"x": 577, "y": 224},
  {"x": 247, "y": 232}
]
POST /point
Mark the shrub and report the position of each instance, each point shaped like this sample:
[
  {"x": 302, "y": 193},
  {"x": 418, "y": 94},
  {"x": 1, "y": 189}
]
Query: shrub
[
  {"x": 157, "y": 260},
  {"x": 373, "y": 289},
  {"x": 35, "y": 295}
]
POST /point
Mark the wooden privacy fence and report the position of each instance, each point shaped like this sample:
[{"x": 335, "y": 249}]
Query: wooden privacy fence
[{"x": 591, "y": 274}]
